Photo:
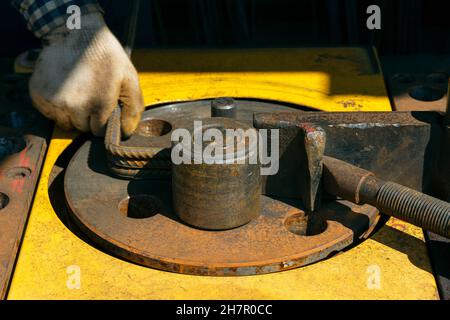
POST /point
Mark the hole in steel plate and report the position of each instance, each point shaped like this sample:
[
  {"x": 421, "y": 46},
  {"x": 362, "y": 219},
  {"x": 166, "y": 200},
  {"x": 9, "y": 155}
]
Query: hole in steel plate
[
  {"x": 4, "y": 200},
  {"x": 18, "y": 173},
  {"x": 140, "y": 206},
  {"x": 153, "y": 128},
  {"x": 438, "y": 78},
  {"x": 426, "y": 93},
  {"x": 302, "y": 225},
  {"x": 17, "y": 120},
  {"x": 11, "y": 145},
  {"x": 403, "y": 78}
]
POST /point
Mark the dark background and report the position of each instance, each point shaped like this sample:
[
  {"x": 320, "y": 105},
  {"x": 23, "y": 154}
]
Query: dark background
[{"x": 408, "y": 26}]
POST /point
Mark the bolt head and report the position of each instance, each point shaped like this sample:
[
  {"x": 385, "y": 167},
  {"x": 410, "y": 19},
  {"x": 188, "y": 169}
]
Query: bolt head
[{"x": 223, "y": 107}]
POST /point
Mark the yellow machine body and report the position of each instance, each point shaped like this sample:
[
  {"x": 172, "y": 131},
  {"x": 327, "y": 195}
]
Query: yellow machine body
[{"x": 54, "y": 263}]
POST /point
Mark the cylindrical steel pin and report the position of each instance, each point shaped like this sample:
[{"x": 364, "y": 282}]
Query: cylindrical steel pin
[{"x": 223, "y": 107}]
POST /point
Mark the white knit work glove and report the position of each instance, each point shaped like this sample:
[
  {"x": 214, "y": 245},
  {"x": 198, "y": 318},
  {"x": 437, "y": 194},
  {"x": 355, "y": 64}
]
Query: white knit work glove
[{"x": 81, "y": 75}]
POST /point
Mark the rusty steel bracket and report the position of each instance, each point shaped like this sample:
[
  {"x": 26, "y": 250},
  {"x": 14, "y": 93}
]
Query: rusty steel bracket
[
  {"x": 403, "y": 147},
  {"x": 302, "y": 146},
  {"x": 23, "y": 134},
  {"x": 311, "y": 165},
  {"x": 366, "y": 141}
]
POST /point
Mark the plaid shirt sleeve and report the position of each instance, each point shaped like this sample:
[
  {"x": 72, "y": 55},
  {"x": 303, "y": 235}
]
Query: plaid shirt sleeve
[{"x": 43, "y": 16}]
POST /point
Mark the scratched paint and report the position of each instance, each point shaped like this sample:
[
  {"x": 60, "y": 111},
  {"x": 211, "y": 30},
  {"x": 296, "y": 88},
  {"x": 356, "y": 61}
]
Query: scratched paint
[{"x": 364, "y": 125}]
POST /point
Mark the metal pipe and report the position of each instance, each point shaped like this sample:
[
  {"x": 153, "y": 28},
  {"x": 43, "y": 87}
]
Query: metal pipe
[{"x": 361, "y": 186}]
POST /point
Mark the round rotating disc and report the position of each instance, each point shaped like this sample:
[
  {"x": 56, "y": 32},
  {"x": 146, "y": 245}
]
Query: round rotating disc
[{"x": 134, "y": 220}]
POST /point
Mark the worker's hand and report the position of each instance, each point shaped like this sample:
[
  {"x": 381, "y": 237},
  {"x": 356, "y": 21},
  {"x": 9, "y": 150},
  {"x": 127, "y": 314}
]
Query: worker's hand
[{"x": 81, "y": 74}]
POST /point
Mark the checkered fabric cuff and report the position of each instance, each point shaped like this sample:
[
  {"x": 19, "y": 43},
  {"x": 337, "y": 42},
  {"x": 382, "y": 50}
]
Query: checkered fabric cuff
[{"x": 45, "y": 15}]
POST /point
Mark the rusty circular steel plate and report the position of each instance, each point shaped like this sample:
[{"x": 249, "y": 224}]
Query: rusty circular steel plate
[{"x": 134, "y": 220}]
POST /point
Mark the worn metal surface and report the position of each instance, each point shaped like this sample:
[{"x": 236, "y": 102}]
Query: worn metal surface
[
  {"x": 419, "y": 91},
  {"x": 301, "y": 148},
  {"x": 221, "y": 190},
  {"x": 146, "y": 154},
  {"x": 136, "y": 220},
  {"x": 346, "y": 181},
  {"x": 277, "y": 240},
  {"x": 361, "y": 186},
  {"x": 356, "y": 133},
  {"x": 23, "y": 144},
  {"x": 223, "y": 107},
  {"x": 311, "y": 164},
  {"x": 51, "y": 251},
  {"x": 373, "y": 141},
  {"x": 417, "y": 82}
]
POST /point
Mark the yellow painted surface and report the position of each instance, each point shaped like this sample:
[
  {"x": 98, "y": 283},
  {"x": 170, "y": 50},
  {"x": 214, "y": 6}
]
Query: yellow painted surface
[
  {"x": 332, "y": 79},
  {"x": 393, "y": 264}
]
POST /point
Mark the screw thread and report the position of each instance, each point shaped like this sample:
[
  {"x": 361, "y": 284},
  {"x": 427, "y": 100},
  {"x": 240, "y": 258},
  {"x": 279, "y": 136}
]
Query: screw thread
[{"x": 415, "y": 207}]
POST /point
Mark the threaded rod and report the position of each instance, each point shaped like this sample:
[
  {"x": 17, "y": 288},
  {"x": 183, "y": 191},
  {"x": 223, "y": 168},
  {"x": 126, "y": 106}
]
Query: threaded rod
[
  {"x": 361, "y": 186},
  {"x": 415, "y": 207}
]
